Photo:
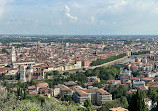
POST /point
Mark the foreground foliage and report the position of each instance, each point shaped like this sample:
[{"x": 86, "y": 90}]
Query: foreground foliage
[
  {"x": 9, "y": 102},
  {"x": 136, "y": 102},
  {"x": 121, "y": 102}
]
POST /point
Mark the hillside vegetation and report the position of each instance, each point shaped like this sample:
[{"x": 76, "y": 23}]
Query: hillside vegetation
[{"x": 9, "y": 102}]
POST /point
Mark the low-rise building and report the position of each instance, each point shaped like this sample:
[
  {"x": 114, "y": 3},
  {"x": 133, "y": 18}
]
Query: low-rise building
[
  {"x": 134, "y": 68},
  {"x": 124, "y": 79},
  {"x": 114, "y": 82},
  {"x": 143, "y": 88},
  {"x": 93, "y": 79},
  {"x": 147, "y": 80},
  {"x": 148, "y": 103},
  {"x": 97, "y": 96},
  {"x": 103, "y": 96},
  {"x": 80, "y": 96},
  {"x": 64, "y": 90},
  {"x": 56, "y": 92},
  {"x": 125, "y": 73},
  {"x": 12, "y": 71},
  {"x": 138, "y": 83}
]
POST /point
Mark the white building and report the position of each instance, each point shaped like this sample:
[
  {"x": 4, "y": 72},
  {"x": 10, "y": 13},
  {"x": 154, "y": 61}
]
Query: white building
[
  {"x": 138, "y": 83},
  {"x": 78, "y": 65},
  {"x": 80, "y": 96},
  {"x": 18, "y": 63},
  {"x": 12, "y": 71},
  {"x": 148, "y": 103},
  {"x": 125, "y": 73},
  {"x": 97, "y": 96},
  {"x": 56, "y": 92}
]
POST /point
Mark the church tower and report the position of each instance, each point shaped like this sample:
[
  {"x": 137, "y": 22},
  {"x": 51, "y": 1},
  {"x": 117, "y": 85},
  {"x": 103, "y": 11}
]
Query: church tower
[
  {"x": 13, "y": 55},
  {"x": 38, "y": 47},
  {"x": 25, "y": 73}
]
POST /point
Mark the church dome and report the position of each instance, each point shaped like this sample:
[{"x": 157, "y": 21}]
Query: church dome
[{"x": 29, "y": 67}]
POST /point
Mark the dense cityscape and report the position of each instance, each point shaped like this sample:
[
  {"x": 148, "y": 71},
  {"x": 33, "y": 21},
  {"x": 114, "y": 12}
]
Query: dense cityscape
[
  {"x": 78, "y": 55},
  {"x": 85, "y": 73}
]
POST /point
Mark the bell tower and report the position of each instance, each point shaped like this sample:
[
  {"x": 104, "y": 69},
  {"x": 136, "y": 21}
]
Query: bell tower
[
  {"x": 38, "y": 47},
  {"x": 13, "y": 55}
]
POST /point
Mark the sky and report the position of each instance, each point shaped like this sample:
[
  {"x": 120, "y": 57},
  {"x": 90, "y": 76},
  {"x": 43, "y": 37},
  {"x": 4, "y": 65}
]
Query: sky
[{"x": 79, "y": 17}]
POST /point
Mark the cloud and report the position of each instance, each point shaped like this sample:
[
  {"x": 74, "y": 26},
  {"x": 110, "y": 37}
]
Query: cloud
[
  {"x": 132, "y": 6},
  {"x": 105, "y": 16},
  {"x": 67, "y": 13},
  {"x": 22, "y": 21},
  {"x": 117, "y": 7},
  {"x": 155, "y": 10},
  {"x": 3, "y": 4},
  {"x": 92, "y": 19}
]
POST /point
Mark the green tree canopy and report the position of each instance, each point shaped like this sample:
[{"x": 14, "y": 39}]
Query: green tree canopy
[
  {"x": 136, "y": 102},
  {"x": 153, "y": 94},
  {"x": 5, "y": 51},
  {"x": 88, "y": 105},
  {"x": 118, "y": 92}
]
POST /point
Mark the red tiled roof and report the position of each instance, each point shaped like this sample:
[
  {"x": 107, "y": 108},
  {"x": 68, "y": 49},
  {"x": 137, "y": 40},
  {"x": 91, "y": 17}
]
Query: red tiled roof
[
  {"x": 135, "y": 78},
  {"x": 33, "y": 92},
  {"x": 142, "y": 87},
  {"x": 134, "y": 66},
  {"x": 118, "y": 109},
  {"x": 81, "y": 93},
  {"x": 101, "y": 91},
  {"x": 41, "y": 85},
  {"x": 124, "y": 77},
  {"x": 146, "y": 78},
  {"x": 31, "y": 87},
  {"x": 88, "y": 84},
  {"x": 110, "y": 81},
  {"x": 62, "y": 87}
]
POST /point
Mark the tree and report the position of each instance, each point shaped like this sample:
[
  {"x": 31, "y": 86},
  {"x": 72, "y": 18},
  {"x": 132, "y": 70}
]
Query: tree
[
  {"x": 50, "y": 82},
  {"x": 155, "y": 108},
  {"x": 5, "y": 51},
  {"x": 136, "y": 102},
  {"x": 96, "y": 72},
  {"x": 124, "y": 102},
  {"x": 8, "y": 102},
  {"x": 114, "y": 104},
  {"x": 118, "y": 92},
  {"x": 108, "y": 73},
  {"x": 66, "y": 73},
  {"x": 152, "y": 94},
  {"x": 55, "y": 72},
  {"x": 88, "y": 105},
  {"x": 88, "y": 73},
  {"x": 66, "y": 98},
  {"x": 135, "y": 74},
  {"x": 98, "y": 84}
]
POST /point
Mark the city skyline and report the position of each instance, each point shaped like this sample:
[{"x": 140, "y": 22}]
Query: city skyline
[{"x": 90, "y": 17}]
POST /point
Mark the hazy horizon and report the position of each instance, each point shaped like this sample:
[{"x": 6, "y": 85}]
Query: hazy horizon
[{"x": 90, "y": 17}]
